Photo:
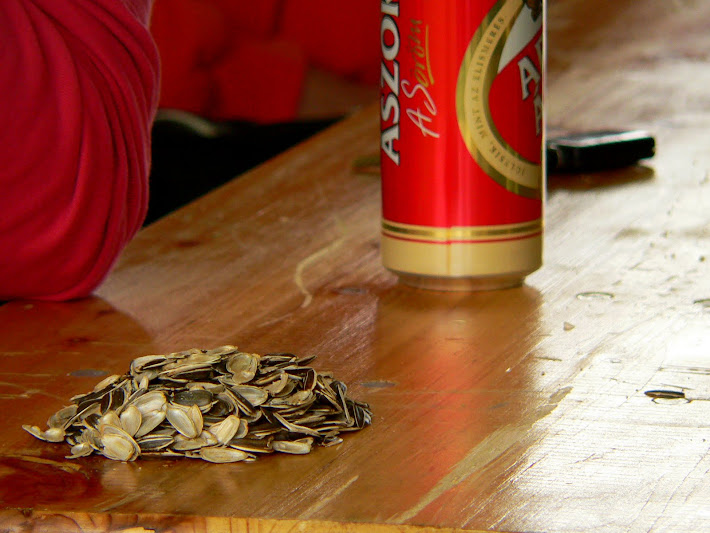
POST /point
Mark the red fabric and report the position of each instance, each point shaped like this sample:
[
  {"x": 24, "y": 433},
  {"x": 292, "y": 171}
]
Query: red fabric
[
  {"x": 229, "y": 59},
  {"x": 192, "y": 35},
  {"x": 79, "y": 82},
  {"x": 257, "y": 19},
  {"x": 259, "y": 81},
  {"x": 341, "y": 38}
]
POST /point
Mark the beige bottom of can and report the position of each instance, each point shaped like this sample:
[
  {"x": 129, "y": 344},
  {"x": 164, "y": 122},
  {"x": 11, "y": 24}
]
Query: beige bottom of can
[{"x": 486, "y": 264}]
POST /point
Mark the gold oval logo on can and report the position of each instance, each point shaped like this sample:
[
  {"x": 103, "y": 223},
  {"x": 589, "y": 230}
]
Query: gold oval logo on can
[{"x": 499, "y": 96}]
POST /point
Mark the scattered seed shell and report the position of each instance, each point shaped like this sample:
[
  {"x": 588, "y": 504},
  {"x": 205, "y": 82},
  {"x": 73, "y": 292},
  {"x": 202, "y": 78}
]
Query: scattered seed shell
[
  {"x": 299, "y": 447},
  {"x": 215, "y": 454},
  {"x": 131, "y": 420}
]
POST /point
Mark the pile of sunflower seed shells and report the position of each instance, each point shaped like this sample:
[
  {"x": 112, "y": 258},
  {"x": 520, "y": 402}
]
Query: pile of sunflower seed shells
[{"x": 220, "y": 405}]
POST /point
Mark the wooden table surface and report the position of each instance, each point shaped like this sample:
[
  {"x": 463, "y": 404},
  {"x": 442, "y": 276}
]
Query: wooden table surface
[{"x": 517, "y": 410}]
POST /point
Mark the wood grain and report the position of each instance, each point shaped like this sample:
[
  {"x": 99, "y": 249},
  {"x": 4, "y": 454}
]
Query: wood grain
[{"x": 518, "y": 410}]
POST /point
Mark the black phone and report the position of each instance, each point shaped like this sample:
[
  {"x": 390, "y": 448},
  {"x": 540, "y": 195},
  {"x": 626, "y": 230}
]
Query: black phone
[{"x": 598, "y": 150}]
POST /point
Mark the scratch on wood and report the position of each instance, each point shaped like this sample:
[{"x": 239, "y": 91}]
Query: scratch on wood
[
  {"x": 320, "y": 504},
  {"x": 118, "y": 503},
  {"x": 12, "y": 385},
  {"x": 487, "y": 451},
  {"x": 26, "y": 374},
  {"x": 67, "y": 467},
  {"x": 314, "y": 257},
  {"x": 681, "y": 369},
  {"x": 26, "y": 393}
]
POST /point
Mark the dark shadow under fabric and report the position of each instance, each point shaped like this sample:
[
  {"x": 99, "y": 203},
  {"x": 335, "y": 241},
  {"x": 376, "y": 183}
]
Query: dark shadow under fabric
[{"x": 189, "y": 161}]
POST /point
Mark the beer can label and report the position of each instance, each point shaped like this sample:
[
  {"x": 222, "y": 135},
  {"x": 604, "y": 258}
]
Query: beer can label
[{"x": 461, "y": 136}]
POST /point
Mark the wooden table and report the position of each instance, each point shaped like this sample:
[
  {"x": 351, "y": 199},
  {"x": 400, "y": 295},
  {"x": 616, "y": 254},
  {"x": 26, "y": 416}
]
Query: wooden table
[{"x": 517, "y": 410}]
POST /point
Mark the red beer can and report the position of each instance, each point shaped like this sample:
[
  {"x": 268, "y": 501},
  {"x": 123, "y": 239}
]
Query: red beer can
[{"x": 461, "y": 141}]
